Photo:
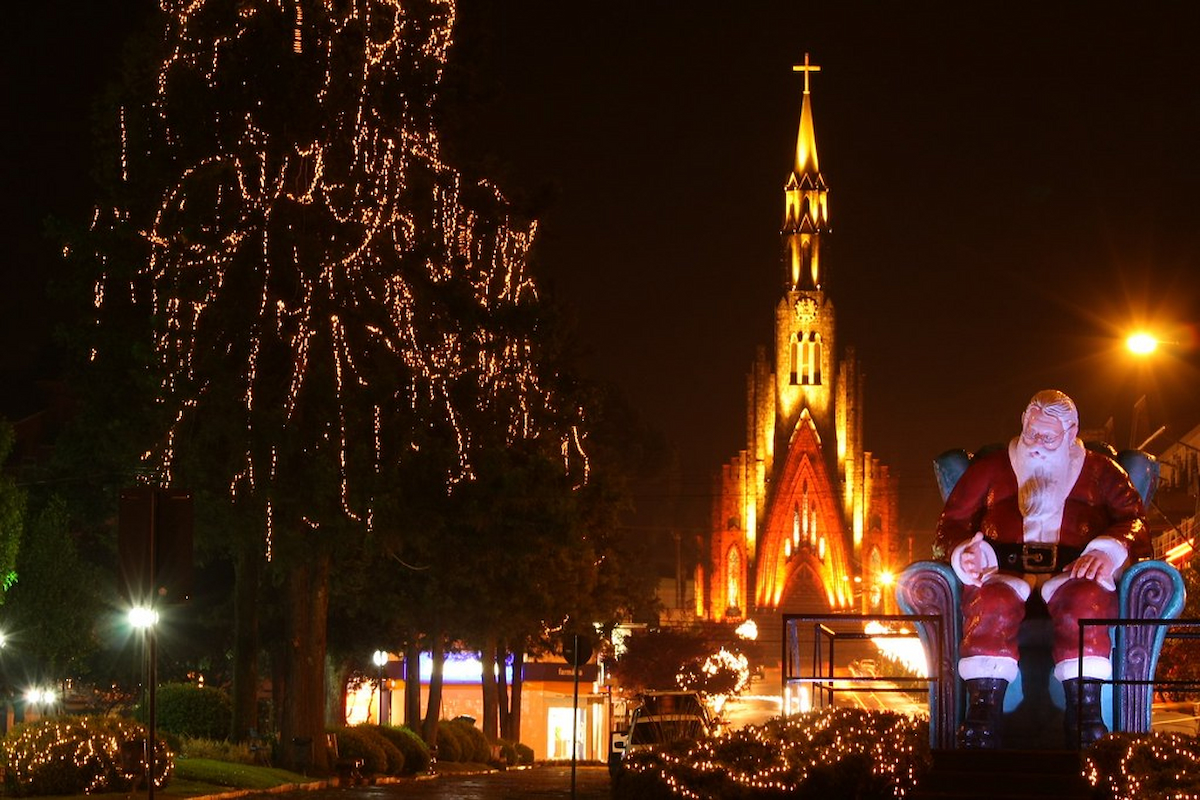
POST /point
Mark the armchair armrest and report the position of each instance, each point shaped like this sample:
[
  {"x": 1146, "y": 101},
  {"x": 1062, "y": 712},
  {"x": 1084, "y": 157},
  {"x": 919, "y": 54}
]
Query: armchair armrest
[
  {"x": 931, "y": 587},
  {"x": 1147, "y": 590}
]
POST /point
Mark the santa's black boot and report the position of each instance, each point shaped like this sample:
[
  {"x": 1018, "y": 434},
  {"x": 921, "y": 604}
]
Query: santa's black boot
[
  {"x": 1083, "y": 717},
  {"x": 980, "y": 729}
]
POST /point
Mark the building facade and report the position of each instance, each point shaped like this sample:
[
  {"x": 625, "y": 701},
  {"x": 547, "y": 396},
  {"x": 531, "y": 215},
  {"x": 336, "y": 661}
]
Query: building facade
[{"x": 805, "y": 517}]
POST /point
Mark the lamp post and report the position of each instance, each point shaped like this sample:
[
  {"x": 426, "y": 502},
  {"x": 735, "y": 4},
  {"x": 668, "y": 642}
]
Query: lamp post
[
  {"x": 1143, "y": 344},
  {"x": 380, "y": 658},
  {"x": 144, "y": 619}
]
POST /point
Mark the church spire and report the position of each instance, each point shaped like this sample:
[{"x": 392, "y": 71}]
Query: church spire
[
  {"x": 805, "y": 212},
  {"x": 806, "y": 140}
]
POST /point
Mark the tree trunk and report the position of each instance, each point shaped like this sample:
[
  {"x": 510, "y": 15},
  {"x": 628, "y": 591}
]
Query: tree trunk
[
  {"x": 412, "y": 683},
  {"x": 335, "y": 692},
  {"x": 518, "y": 682},
  {"x": 433, "y": 711},
  {"x": 303, "y": 729},
  {"x": 244, "y": 692},
  {"x": 490, "y": 723},
  {"x": 502, "y": 694}
]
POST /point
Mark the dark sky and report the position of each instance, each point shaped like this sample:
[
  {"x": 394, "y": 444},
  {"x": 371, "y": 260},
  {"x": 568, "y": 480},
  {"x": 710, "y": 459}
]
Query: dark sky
[{"x": 1011, "y": 186}]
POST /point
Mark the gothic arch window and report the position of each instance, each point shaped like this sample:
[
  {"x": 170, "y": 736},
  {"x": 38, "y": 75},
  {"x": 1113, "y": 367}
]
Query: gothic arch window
[
  {"x": 794, "y": 359},
  {"x": 805, "y": 358},
  {"x": 733, "y": 578},
  {"x": 810, "y": 518},
  {"x": 812, "y": 359},
  {"x": 796, "y": 526}
]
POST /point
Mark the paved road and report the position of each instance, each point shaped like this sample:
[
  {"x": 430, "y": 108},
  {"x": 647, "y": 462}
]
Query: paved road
[{"x": 591, "y": 783}]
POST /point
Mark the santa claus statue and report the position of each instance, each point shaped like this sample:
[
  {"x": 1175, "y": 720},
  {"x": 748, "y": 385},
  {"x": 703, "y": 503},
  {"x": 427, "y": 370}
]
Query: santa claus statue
[{"x": 1043, "y": 521}]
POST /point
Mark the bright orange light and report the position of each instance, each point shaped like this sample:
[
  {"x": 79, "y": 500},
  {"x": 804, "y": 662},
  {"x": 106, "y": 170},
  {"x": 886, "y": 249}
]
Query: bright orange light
[
  {"x": 887, "y": 578},
  {"x": 1141, "y": 343}
]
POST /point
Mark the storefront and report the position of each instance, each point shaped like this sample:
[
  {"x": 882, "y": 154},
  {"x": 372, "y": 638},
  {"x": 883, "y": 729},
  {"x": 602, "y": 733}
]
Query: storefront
[{"x": 549, "y": 715}]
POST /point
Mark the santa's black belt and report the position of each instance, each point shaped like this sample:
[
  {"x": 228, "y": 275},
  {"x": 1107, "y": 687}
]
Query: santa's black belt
[{"x": 1033, "y": 557}]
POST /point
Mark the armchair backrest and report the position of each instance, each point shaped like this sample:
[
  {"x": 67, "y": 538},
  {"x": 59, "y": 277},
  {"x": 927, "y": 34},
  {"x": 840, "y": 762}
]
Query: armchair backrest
[{"x": 1141, "y": 467}]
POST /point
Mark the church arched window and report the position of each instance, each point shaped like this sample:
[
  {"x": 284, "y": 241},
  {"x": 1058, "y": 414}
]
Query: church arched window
[
  {"x": 796, "y": 531},
  {"x": 812, "y": 359},
  {"x": 795, "y": 355},
  {"x": 733, "y": 578}
]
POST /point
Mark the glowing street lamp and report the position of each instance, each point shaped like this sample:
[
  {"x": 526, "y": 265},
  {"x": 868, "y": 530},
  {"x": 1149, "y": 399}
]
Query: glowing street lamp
[
  {"x": 1141, "y": 343},
  {"x": 141, "y": 617},
  {"x": 380, "y": 658},
  {"x": 145, "y": 620}
]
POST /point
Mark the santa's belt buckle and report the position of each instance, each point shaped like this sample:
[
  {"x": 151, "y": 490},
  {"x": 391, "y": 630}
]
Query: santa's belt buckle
[{"x": 1038, "y": 558}]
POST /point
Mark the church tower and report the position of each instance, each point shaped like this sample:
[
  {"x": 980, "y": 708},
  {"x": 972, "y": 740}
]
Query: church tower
[{"x": 804, "y": 518}]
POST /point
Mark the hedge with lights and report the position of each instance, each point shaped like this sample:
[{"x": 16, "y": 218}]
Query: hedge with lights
[
  {"x": 1158, "y": 766},
  {"x": 79, "y": 755},
  {"x": 829, "y": 753}
]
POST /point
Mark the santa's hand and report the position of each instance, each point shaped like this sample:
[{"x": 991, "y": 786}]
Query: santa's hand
[
  {"x": 1093, "y": 566},
  {"x": 972, "y": 560}
]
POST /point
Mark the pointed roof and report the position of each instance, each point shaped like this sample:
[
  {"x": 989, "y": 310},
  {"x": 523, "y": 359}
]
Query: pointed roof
[{"x": 806, "y": 139}]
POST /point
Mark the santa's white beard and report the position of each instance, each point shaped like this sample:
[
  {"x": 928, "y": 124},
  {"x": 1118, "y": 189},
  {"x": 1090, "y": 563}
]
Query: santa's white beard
[{"x": 1042, "y": 480}]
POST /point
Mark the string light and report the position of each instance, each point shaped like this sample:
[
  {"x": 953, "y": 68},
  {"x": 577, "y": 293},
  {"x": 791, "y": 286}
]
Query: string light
[
  {"x": 782, "y": 755},
  {"x": 72, "y": 755},
  {"x": 330, "y": 235}
]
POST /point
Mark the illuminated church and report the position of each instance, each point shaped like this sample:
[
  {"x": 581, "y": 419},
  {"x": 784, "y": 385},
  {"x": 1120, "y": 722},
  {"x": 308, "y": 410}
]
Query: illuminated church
[{"x": 805, "y": 518}]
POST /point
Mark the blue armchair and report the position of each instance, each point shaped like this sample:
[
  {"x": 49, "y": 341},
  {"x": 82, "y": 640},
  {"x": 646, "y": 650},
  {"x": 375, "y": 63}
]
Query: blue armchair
[{"x": 1146, "y": 590}]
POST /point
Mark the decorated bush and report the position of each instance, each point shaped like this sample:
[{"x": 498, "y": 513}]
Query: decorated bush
[
  {"x": 828, "y": 753},
  {"x": 1154, "y": 766},
  {"x": 80, "y": 755}
]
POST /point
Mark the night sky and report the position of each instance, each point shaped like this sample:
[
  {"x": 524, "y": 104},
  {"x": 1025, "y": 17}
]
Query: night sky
[{"x": 1012, "y": 185}]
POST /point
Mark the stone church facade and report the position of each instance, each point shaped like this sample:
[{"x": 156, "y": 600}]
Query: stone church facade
[{"x": 805, "y": 518}]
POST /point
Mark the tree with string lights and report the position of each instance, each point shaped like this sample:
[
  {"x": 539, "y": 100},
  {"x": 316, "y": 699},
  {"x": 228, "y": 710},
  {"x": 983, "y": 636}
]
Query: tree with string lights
[{"x": 325, "y": 297}]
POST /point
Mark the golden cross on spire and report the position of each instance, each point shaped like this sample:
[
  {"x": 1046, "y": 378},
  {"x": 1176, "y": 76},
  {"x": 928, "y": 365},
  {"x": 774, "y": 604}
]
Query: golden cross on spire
[{"x": 805, "y": 68}]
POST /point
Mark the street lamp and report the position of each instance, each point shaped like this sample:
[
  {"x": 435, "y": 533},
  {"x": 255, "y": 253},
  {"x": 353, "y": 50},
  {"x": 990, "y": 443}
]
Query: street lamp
[
  {"x": 1141, "y": 343},
  {"x": 145, "y": 619},
  {"x": 380, "y": 658}
]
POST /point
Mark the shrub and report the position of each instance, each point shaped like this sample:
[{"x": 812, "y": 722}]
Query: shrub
[
  {"x": 416, "y": 752},
  {"x": 395, "y": 756},
  {"x": 185, "y": 709},
  {"x": 830, "y": 753},
  {"x": 449, "y": 743},
  {"x": 217, "y": 750},
  {"x": 77, "y": 755},
  {"x": 508, "y": 752},
  {"x": 524, "y": 753},
  {"x": 474, "y": 744},
  {"x": 357, "y": 742}
]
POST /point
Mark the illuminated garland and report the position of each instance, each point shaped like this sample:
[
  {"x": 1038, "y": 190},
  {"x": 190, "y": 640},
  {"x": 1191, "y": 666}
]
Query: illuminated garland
[
  {"x": 1156, "y": 766},
  {"x": 782, "y": 755},
  {"x": 312, "y": 255},
  {"x": 72, "y": 755}
]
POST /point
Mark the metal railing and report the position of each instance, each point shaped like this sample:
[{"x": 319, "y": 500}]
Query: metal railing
[{"x": 820, "y": 678}]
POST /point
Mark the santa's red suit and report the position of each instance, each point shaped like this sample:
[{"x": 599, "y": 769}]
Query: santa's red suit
[{"x": 1100, "y": 514}]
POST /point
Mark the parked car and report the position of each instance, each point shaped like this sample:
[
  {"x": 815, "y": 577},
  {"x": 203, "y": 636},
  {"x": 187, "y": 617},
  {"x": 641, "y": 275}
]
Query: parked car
[{"x": 662, "y": 718}]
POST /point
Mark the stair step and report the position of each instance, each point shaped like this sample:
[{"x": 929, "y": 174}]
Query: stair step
[{"x": 1003, "y": 775}]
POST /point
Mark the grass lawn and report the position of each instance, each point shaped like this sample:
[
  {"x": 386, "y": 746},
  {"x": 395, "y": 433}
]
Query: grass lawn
[{"x": 197, "y": 776}]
